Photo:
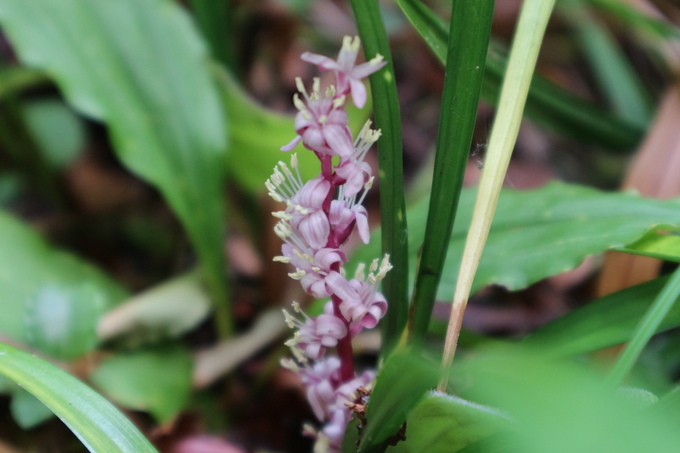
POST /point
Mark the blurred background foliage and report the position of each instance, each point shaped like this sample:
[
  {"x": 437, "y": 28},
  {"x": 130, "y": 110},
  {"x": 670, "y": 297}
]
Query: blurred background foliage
[{"x": 135, "y": 139}]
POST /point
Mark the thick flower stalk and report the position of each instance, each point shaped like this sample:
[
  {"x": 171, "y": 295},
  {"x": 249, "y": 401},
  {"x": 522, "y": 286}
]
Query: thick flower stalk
[{"x": 319, "y": 217}]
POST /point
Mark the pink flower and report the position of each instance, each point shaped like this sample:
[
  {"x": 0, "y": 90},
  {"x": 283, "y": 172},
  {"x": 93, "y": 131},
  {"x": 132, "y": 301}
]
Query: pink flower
[
  {"x": 343, "y": 219},
  {"x": 355, "y": 174},
  {"x": 362, "y": 306},
  {"x": 313, "y": 269},
  {"x": 321, "y": 381},
  {"x": 315, "y": 334},
  {"x": 347, "y": 74},
  {"x": 321, "y": 124}
]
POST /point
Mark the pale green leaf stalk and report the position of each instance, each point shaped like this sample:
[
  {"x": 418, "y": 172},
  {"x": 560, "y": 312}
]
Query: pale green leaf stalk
[{"x": 532, "y": 23}]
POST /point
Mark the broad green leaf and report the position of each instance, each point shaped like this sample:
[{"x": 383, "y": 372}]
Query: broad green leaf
[
  {"x": 539, "y": 233},
  {"x": 154, "y": 380},
  {"x": 562, "y": 407},
  {"x": 668, "y": 405},
  {"x": 27, "y": 410},
  {"x": 56, "y": 129},
  {"x": 604, "y": 322},
  {"x": 98, "y": 425},
  {"x": 257, "y": 134},
  {"x": 142, "y": 70},
  {"x": 442, "y": 423},
  {"x": 62, "y": 322},
  {"x": 34, "y": 274},
  {"x": 403, "y": 380},
  {"x": 660, "y": 242}
]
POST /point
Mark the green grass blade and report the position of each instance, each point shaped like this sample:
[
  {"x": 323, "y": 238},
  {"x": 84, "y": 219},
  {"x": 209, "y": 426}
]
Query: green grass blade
[
  {"x": 532, "y": 23},
  {"x": 633, "y": 17},
  {"x": 646, "y": 328},
  {"x": 392, "y": 204},
  {"x": 615, "y": 76},
  {"x": 95, "y": 421},
  {"x": 467, "y": 49},
  {"x": 547, "y": 104}
]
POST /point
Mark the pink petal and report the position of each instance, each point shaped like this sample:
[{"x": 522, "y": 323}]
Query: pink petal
[
  {"x": 339, "y": 286},
  {"x": 323, "y": 62},
  {"x": 313, "y": 138},
  {"x": 314, "y": 350},
  {"x": 339, "y": 140},
  {"x": 362, "y": 224},
  {"x": 327, "y": 257},
  {"x": 293, "y": 143},
  {"x": 366, "y": 69},
  {"x": 358, "y": 92},
  {"x": 313, "y": 193},
  {"x": 315, "y": 229}
]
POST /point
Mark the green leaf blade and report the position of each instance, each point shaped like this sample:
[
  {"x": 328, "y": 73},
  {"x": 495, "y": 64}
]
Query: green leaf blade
[
  {"x": 467, "y": 49},
  {"x": 29, "y": 267},
  {"x": 390, "y": 162},
  {"x": 95, "y": 421},
  {"x": 155, "y": 380}
]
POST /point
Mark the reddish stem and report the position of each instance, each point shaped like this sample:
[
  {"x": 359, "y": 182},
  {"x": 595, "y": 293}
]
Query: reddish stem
[{"x": 344, "y": 346}]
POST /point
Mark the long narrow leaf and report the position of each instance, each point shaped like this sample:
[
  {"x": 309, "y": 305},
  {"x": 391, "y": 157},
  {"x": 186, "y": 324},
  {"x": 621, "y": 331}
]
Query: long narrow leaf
[
  {"x": 614, "y": 74},
  {"x": 468, "y": 43},
  {"x": 96, "y": 422},
  {"x": 392, "y": 204},
  {"x": 646, "y": 328},
  {"x": 547, "y": 104},
  {"x": 604, "y": 322}
]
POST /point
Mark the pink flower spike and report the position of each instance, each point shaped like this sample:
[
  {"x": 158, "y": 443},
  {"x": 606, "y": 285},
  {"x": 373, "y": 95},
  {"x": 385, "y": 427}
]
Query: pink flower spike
[{"x": 347, "y": 74}]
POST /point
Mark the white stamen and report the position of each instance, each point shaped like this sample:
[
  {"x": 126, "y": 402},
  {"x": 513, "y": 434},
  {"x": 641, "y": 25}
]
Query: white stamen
[
  {"x": 300, "y": 86},
  {"x": 298, "y": 274},
  {"x": 281, "y": 259},
  {"x": 360, "y": 274},
  {"x": 375, "y": 61},
  {"x": 339, "y": 101}
]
